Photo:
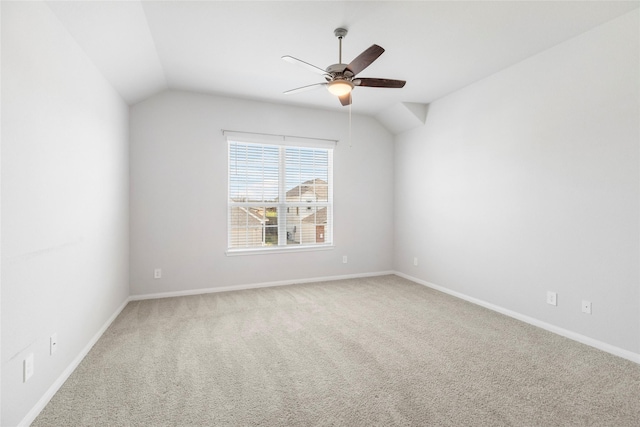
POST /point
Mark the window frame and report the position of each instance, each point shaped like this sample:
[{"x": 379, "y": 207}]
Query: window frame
[{"x": 281, "y": 204}]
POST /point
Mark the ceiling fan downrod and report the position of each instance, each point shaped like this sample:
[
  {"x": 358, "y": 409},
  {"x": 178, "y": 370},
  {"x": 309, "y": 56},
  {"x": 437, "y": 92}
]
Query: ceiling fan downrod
[{"x": 340, "y": 33}]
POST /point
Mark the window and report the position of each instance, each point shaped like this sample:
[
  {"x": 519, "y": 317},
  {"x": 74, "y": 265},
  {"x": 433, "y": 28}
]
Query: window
[{"x": 280, "y": 196}]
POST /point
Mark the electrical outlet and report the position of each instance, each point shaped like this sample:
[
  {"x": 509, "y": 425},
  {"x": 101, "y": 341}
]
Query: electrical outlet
[
  {"x": 552, "y": 298},
  {"x": 415, "y": 261},
  {"x": 157, "y": 273},
  {"x": 344, "y": 259},
  {"x": 27, "y": 369},
  {"x": 53, "y": 344},
  {"x": 586, "y": 307}
]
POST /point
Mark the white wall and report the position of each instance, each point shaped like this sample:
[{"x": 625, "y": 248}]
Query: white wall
[
  {"x": 528, "y": 181},
  {"x": 64, "y": 202},
  {"x": 179, "y": 193}
]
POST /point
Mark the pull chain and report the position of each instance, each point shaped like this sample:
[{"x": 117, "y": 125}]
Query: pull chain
[{"x": 350, "y": 145}]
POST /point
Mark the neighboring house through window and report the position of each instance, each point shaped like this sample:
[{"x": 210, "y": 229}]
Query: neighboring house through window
[{"x": 280, "y": 193}]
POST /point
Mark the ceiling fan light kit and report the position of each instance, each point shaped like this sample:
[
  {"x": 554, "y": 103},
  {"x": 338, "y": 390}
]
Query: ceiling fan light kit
[
  {"x": 340, "y": 87},
  {"x": 340, "y": 78}
]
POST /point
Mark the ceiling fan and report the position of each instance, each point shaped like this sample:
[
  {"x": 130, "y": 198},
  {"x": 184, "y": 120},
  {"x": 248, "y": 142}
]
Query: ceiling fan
[{"x": 341, "y": 78}]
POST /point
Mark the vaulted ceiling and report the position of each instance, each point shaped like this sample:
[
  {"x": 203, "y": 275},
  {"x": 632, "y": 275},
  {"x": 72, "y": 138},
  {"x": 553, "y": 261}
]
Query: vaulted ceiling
[{"x": 235, "y": 48}]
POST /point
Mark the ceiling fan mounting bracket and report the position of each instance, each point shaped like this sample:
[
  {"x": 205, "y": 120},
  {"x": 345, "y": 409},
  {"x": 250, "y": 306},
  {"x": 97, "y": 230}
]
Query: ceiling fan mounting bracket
[{"x": 340, "y": 32}]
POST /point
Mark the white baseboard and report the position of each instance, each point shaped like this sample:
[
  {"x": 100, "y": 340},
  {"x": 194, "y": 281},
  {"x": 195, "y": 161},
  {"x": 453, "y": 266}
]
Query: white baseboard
[
  {"x": 33, "y": 413},
  {"x": 255, "y": 286},
  {"x": 617, "y": 351}
]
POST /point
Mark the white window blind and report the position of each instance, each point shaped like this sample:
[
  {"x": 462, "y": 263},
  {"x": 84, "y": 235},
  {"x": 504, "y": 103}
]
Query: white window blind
[{"x": 280, "y": 195}]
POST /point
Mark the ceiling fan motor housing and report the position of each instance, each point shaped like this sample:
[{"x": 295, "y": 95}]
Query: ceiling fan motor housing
[{"x": 338, "y": 71}]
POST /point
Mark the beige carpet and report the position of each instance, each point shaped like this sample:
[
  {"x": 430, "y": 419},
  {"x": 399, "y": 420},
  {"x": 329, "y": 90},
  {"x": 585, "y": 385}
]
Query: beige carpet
[{"x": 365, "y": 352}]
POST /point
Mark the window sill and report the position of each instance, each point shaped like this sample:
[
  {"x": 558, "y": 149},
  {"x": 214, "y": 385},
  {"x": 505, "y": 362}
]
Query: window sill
[{"x": 277, "y": 250}]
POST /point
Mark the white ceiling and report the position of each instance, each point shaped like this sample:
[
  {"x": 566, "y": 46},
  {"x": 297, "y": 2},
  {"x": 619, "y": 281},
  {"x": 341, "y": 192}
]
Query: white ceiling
[{"x": 234, "y": 48}]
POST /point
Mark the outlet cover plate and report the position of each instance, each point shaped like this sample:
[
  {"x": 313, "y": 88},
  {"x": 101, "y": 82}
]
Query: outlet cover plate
[
  {"x": 53, "y": 344},
  {"x": 552, "y": 298},
  {"x": 28, "y": 367}
]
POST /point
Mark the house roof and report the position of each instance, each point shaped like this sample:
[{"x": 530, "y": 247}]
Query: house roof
[
  {"x": 241, "y": 216},
  {"x": 320, "y": 217},
  {"x": 317, "y": 186},
  {"x": 234, "y": 48}
]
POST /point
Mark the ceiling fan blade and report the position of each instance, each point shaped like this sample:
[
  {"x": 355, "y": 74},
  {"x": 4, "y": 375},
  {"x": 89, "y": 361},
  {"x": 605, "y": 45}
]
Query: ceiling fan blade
[
  {"x": 369, "y": 82},
  {"x": 306, "y": 65},
  {"x": 304, "y": 88},
  {"x": 345, "y": 99},
  {"x": 365, "y": 59}
]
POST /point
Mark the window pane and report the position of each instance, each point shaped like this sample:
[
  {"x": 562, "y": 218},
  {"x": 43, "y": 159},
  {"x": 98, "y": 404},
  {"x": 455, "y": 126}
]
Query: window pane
[
  {"x": 253, "y": 172},
  {"x": 307, "y": 172},
  {"x": 271, "y": 228},
  {"x": 293, "y": 224},
  {"x": 307, "y": 225},
  {"x": 254, "y": 226}
]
